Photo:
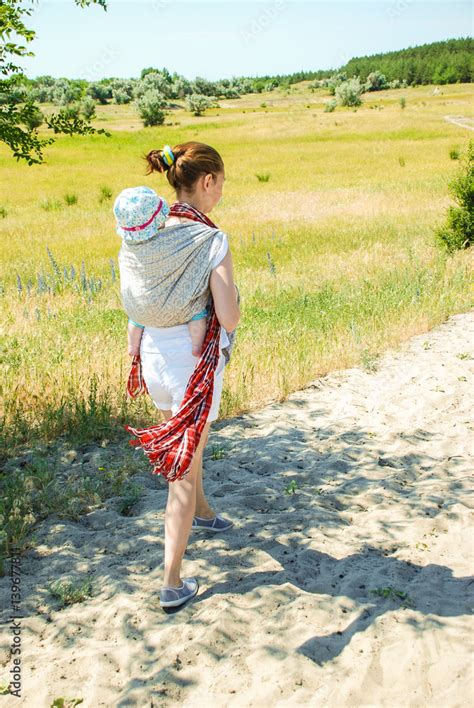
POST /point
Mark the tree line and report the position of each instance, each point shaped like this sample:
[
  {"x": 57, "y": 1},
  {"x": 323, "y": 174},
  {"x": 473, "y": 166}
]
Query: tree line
[{"x": 447, "y": 62}]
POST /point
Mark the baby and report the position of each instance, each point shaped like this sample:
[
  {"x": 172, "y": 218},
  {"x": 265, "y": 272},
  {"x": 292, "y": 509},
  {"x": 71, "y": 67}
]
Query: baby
[{"x": 129, "y": 207}]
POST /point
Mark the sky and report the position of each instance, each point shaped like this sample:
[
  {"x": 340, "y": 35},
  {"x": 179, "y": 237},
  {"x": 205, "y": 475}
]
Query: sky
[{"x": 224, "y": 38}]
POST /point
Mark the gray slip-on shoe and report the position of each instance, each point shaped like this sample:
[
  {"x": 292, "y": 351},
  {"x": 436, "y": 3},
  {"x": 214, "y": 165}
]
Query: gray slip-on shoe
[
  {"x": 218, "y": 523},
  {"x": 172, "y": 597}
]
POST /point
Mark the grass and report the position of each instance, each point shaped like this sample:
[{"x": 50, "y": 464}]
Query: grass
[
  {"x": 291, "y": 487},
  {"x": 217, "y": 453},
  {"x": 335, "y": 259},
  {"x": 69, "y": 592},
  {"x": 105, "y": 194},
  {"x": 132, "y": 494},
  {"x": 51, "y": 204},
  {"x": 399, "y": 596},
  {"x": 33, "y": 491}
]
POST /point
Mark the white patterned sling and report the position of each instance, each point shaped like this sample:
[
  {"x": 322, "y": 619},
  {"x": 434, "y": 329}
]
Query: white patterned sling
[{"x": 164, "y": 281}]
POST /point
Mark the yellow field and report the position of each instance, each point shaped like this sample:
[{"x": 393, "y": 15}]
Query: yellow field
[{"x": 334, "y": 255}]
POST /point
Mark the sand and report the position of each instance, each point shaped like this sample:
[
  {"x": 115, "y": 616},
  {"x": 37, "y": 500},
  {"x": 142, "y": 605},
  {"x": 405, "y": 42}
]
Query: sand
[{"x": 295, "y": 606}]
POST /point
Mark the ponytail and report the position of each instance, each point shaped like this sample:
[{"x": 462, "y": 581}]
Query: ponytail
[{"x": 191, "y": 160}]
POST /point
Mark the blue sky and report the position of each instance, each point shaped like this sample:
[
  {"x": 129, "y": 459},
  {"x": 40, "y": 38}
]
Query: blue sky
[{"x": 224, "y": 38}]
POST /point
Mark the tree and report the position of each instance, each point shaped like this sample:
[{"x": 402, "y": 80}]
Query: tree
[
  {"x": 181, "y": 87},
  {"x": 87, "y": 107},
  {"x": 36, "y": 119},
  {"x": 16, "y": 118},
  {"x": 348, "y": 93},
  {"x": 100, "y": 91},
  {"x": 151, "y": 108},
  {"x": 65, "y": 92},
  {"x": 203, "y": 86},
  {"x": 197, "y": 103},
  {"x": 376, "y": 81},
  {"x": 122, "y": 90},
  {"x": 459, "y": 230},
  {"x": 153, "y": 81}
]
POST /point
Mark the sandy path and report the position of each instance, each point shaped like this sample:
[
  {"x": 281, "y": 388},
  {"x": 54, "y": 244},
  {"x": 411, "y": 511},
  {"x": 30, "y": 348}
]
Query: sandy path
[
  {"x": 286, "y": 614},
  {"x": 461, "y": 121}
]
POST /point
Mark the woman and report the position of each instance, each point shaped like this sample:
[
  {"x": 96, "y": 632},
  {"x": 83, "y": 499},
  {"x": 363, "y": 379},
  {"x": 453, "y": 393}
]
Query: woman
[{"x": 196, "y": 173}]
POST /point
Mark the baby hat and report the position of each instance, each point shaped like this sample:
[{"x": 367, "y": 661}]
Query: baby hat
[{"x": 140, "y": 213}]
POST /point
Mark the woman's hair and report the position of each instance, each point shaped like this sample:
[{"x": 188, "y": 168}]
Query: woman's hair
[{"x": 191, "y": 160}]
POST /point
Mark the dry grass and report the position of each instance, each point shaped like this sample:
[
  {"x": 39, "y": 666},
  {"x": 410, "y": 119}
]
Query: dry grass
[{"x": 347, "y": 228}]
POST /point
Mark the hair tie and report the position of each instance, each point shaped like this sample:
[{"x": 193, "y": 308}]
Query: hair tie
[{"x": 168, "y": 156}]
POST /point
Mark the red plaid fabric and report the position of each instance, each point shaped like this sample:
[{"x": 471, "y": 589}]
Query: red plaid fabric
[
  {"x": 170, "y": 446},
  {"x": 188, "y": 211},
  {"x": 136, "y": 383}
]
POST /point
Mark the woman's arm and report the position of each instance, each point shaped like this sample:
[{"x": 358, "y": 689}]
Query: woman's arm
[{"x": 224, "y": 293}]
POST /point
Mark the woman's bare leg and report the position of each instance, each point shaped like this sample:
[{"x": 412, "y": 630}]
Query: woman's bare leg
[
  {"x": 179, "y": 512},
  {"x": 203, "y": 508}
]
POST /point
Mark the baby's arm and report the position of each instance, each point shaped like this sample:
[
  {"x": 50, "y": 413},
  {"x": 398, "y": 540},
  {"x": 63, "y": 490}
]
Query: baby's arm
[
  {"x": 134, "y": 332},
  {"x": 197, "y": 328}
]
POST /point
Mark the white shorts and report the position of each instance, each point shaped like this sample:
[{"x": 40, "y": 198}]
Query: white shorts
[{"x": 167, "y": 365}]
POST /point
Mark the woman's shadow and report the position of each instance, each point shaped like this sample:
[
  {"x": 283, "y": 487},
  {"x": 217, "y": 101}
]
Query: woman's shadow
[{"x": 433, "y": 590}]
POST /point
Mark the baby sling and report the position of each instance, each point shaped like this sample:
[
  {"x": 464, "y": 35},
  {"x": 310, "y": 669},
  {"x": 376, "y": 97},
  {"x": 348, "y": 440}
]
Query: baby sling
[{"x": 170, "y": 446}]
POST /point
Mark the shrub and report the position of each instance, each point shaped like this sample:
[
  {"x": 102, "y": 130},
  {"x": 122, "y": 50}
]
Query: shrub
[
  {"x": 197, "y": 103},
  {"x": 35, "y": 118},
  {"x": 121, "y": 97},
  {"x": 105, "y": 194},
  {"x": 376, "y": 81},
  {"x": 154, "y": 81},
  {"x": 454, "y": 154},
  {"x": 72, "y": 110},
  {"x": 396, "y": 83},
  {"x": 65, "y": 92},
  {"x": 70, "y": 199},
  {"x": 348, "y": 93},
  {"x": 122, "y": 90},
  {"x": 402, "y": 102},
  {"x": 100, "y": 91},
  {"x": 334, "y": 81},
  {"x": 41, "y": 94},
  {"x": 401, "y": 161},
  {"x": 150, "y": 107},
  {"x": 87, "y": 107},
  {"x": 69, "y": 592},
  {"x": 180, "y": 87},
  {"x": 330, "y": 106},
  {"x": 263, "y": 178},
  {"x": 3, "y": 213},
  {"x": 459, "y": 230},
  {"x": 203, "y": 87}
]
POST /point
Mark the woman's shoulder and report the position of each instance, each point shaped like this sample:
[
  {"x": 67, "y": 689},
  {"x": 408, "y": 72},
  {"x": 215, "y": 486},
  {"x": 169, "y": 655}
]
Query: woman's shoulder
[
  {"x": 219, "y": 248},
  {"x": 173, "y": 220},
  {"x": 214, "y": 233}
]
